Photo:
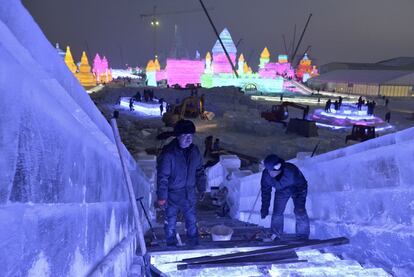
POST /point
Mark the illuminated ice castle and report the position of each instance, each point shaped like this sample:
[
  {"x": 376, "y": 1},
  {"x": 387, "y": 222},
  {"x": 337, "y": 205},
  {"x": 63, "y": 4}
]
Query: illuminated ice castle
[
  {"x": 216, "y": 71},
  {"x": 100, "y": 73}
]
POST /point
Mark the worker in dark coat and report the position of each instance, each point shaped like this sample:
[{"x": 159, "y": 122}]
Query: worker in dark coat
[
  {"x": 288, "y": 182},
  {"x": 179, "y": 172}
]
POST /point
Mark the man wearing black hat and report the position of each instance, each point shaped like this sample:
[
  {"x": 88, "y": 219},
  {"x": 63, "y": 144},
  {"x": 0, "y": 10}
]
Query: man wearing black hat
[
  {"x": 288, "y": 181},
  {"x": 179, "y": 171}
]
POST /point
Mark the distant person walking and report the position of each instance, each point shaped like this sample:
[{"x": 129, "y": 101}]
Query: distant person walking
[
  {"x": 161, "y": 101},
  {"x": 137, "y": 96},
  {"x": 336, "y": 105},
  {"x": 388, "y": 116},
  {"x": 360, "y": 102},
  {"x": 161, "y": 108},
  {"x": 146, "y": 96},
  {"x": 328, "y": 106},
  {"x": 387, "y": 101},
  {"x": 131, "y": 104},
  {"x": 369, "y": 108}
]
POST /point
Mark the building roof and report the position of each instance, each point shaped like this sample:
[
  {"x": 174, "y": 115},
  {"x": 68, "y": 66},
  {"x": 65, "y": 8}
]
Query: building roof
[
  {"x": 400, "y": 63},
  {"x": 377, "y": 77}
]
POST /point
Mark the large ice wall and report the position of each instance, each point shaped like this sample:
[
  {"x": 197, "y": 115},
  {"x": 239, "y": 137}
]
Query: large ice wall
[
  {"x": 365, "y": 192},
  {"x": 63, "y": 202}
]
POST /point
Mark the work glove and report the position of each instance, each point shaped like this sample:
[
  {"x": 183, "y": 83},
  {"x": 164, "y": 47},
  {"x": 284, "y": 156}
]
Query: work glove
[
  {"x": 161, "y": 202},
  {"x": 201, "y": 196},
  {"x": 264, "y": 213}
]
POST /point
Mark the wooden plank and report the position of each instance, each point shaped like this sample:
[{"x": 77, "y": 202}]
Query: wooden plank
[
  {"x": 262, "y": 258},
  {"x": 312, "y": 244},
  {"x": 208, "y": 265},
  {"x": 217, "y": 245}
]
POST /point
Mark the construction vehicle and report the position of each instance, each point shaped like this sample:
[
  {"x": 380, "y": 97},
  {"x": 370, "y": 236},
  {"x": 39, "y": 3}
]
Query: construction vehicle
[
  {"x": 190, "y": 107},
  {"x": 280, "y": 114},
  {"x": 361, "y": 133}
]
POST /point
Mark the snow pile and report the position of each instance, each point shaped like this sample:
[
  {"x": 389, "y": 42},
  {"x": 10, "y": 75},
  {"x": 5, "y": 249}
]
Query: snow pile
[
  {"x": 245, "y": 120},
  {"x": 63, "y": 201}
]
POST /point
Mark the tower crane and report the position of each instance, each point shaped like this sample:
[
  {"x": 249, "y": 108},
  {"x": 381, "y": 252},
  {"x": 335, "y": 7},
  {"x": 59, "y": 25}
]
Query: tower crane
[{"x": 155, "y": 23}]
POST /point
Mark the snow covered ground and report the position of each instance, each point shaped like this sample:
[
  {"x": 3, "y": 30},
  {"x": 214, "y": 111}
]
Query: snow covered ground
[{"x": 238, "y": 123}]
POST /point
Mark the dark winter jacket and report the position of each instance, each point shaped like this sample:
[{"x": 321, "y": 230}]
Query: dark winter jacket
[
  {"x": 290, "y": 176},
  {"x": 179, "y": 172}
]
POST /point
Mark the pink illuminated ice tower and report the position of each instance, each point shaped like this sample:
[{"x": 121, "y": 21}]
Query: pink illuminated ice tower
[{"x": 220, "y": 62}]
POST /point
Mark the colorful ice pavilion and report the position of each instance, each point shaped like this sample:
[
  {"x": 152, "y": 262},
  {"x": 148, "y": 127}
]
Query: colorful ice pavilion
[{"x": 216, "y": 71}]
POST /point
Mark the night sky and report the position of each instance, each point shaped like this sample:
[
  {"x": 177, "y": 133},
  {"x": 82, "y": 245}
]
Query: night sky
[{"x": 351, "y": 30}]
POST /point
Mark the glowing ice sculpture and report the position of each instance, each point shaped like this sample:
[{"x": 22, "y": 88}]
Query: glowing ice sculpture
[
  {"x": 305, "y": 66},
  {"x": 282, "y": 58},
  {"x": 157, "y": 64},
  {"x": 347, "y": 116},
  {"x": 151, "y": 73},
  {"x": 107, "y": 73},
  {"x": 183, "y": 72},
  {"x": 220, "y": 61},
  {"x": 271, "y": 70},
  {"x": 85, "y": 75},
  {"x": 216, "y": 71},
  {"x": 208, "y": 68},
  {"x": 264, "y": 57},
  {"x": 100, "y": 68},
  {"x": 240, "y": 65},
  {"x": 69, "y": 61}
]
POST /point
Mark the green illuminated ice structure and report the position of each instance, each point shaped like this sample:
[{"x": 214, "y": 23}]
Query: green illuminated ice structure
[{"x": 218, "y": 71}]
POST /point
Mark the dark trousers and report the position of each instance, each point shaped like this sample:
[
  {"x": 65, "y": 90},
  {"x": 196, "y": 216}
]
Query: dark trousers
[
  {"x": 189, "y": 212},
  {"x": 299, "y": 200}
]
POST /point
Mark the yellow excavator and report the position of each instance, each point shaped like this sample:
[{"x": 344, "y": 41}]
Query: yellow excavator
[
  {"x": 301, "y": 126},
  {"x": 190, "y": 107}
]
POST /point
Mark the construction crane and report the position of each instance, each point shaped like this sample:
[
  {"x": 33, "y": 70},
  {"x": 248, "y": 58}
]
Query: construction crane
[
  {"x": 300, "y": 40},
  {"x": 155, "y": 23}
]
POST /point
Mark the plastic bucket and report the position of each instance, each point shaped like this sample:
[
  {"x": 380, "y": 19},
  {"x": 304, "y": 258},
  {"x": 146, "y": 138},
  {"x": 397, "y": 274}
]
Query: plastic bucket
[{"x": 221, "y": 233}]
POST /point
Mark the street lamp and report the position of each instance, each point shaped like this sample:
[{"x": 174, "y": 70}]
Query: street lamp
[{"x": 155, "y": 24}]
